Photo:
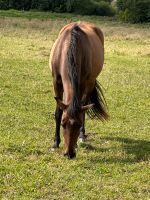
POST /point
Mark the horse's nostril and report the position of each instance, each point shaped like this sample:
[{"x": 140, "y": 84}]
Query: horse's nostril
[{"x": 70, "y": 155}]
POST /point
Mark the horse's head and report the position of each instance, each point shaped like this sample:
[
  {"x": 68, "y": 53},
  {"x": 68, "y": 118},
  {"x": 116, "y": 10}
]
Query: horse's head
[{"x": 71, "y": 125}]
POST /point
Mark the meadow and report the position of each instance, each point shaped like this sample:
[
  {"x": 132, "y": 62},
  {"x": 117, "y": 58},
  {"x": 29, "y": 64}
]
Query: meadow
[{"x": 114, "y": 162}]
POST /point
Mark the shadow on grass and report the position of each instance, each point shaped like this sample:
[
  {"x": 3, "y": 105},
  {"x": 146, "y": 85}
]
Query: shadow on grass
[
  {"x": 133, "y": 150},
  {"x": 22, "y": 151}
]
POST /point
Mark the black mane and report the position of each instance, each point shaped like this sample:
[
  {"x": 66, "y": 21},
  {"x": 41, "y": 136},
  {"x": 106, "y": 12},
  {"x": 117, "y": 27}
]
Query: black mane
[{"x": 72, "y": 70}]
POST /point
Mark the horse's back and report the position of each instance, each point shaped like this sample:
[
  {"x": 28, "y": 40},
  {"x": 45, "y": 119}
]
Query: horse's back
[
  {"x": 96, "y": 40},
  {"x": 88, "y": 28},
  {"x": 90, "y": 48}
]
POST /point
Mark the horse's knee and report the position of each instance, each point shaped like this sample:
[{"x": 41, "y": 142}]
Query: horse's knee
[{"x": 58, "y": 114}]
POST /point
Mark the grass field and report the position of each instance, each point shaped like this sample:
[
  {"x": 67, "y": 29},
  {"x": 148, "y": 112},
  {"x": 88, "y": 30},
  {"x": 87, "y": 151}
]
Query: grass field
[{"x": 114, "y": 163}]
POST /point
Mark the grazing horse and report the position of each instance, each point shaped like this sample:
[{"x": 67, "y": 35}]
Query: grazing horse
[{"x": 76, "y": 60}]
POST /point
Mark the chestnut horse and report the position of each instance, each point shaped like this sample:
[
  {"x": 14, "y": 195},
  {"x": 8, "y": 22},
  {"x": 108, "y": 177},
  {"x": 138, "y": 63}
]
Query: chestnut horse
[{"x": 76, "y": 60}]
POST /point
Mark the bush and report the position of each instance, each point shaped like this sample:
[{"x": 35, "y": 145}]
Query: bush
[
  {"x": 18, "y": 4},
  {"x": 91, "y": 7},
  {"x": 59, "y": 5},
  {"x": 35, "y": 4},
  {"x": 134, "y": 11},
  {"x": 84, "y": 7},
  {"x": 142, "y": 11},
  {"x": 4, "y": 4},
  {"x": 104, "y": 9},
  {"x": 69, "y": 5},
  {"x": 87, "y": 7},
  {"x": 44, "y": 5}
]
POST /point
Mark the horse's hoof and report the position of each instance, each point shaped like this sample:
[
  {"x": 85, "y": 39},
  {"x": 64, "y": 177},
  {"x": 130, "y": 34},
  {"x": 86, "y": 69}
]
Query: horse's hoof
[
  {"x": 53, "y": 149},
  {"x": 55, "y": 146},
  {"x": 70, "y": 155},
  {"x": 81, "y": 140}
]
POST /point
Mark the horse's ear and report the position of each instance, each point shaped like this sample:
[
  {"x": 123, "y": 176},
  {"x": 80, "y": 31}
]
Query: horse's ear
[
  {"x": 61, "y": 105},
  {"x": 87, "y": 107}
]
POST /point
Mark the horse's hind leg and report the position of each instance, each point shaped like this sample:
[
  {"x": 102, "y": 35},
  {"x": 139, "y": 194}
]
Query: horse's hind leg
[
  {"x": 58, "y": 114},
  {"x": 82, "y": 135}
]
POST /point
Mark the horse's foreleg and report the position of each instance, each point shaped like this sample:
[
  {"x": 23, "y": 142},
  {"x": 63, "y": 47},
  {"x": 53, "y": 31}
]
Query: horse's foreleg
[{"x": 58, "y": 115}]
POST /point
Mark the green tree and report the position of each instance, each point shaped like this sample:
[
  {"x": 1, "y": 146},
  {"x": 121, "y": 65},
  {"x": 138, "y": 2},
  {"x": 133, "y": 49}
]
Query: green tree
[
  {"x": 88, "y": 7},
  {"x": 4, "y": 4},
  {"x": 69, "y": 5},
  {"x": 134, "y": 11}
]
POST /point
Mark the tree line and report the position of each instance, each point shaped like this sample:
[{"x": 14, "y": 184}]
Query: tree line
[
  {"x": 127, "y": 10},
  {"x": 134, "y": 11}
]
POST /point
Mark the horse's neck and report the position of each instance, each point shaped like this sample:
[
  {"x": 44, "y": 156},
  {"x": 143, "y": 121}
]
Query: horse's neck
[
  {"x": 68, "y": 92},
  {"x": 68, "y": 96}
]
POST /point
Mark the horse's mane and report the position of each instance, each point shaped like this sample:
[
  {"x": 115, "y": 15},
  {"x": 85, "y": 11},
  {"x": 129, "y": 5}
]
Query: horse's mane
[{"x": 72, "y": 70}]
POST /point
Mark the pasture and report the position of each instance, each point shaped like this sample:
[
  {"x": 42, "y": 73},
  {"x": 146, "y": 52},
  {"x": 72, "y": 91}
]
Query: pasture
[{"x": 114, "y": 162}]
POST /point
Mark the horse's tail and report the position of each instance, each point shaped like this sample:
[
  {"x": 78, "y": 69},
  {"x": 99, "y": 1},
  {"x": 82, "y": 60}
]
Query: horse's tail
[
  {"x": 72, "y": 68},
  {"x": 99, "y": 110}
]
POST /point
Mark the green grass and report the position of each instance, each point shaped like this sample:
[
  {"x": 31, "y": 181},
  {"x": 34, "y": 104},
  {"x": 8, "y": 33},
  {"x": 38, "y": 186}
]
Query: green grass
[
  {"x": 47, "y": 15},
  {"x": 114, "y": 163}
]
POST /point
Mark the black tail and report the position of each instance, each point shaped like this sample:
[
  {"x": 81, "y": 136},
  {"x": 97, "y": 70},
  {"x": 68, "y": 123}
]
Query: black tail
[
  {"x": 72, "y": 69},
  {"x": 98, "y": 99}
]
